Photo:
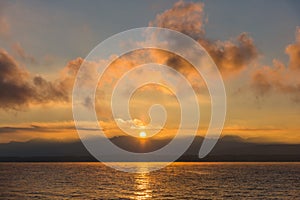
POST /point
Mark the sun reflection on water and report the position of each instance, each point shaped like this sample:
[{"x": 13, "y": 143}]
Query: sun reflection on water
[{"x": 142, "y": 186}]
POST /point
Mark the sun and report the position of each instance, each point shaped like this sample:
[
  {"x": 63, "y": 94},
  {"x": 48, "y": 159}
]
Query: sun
[{"x": 143, "y": 134}]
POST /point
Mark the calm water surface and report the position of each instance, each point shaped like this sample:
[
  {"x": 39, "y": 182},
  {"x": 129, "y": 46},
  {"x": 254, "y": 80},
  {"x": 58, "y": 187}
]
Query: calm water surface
[{"x": 177, "y": 181}]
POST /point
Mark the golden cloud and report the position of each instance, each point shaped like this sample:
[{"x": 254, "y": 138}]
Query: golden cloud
[{"x": 280, "y": 78}]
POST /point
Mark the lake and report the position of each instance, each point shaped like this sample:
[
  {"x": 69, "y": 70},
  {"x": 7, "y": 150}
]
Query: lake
[{"x": 177, "y": 181}]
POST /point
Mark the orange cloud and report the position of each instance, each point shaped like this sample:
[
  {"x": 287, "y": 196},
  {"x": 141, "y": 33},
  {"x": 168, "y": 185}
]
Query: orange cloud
[
  {"x": 4, "y": 27},
  {"x": 233, "y": 55},
  {"x": 18, "y": 49},
  {"x": 230, "y": 56},
  {"x": 184, "y": 17},
  {"x": 280, "y": 78},
  {"x": 25, "y": 132},
  {"x": 293, "y": 51}
]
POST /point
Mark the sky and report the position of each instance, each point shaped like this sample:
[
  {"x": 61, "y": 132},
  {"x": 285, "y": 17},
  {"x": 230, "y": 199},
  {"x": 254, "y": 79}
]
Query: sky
[{"x": 255, "y": 44}]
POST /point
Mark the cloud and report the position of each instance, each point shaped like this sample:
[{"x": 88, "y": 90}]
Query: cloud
[
  {"x": 293, "y": 51},
  {"x": 64, "y": 130},
  {"x": 18, "y": 88},
  {"x": 280, "y": 78},
  {"x": 18, "y": 50},
  {"x": 49, "y": 91},
  {"x": 260, "y": 83},
  {"x": 4, "y": 25},
  {"x": 183, "y": 17},
  {"x": 15, "y": 86},
  {"x": 37, "y": 127},
  {"x": 131, "y": 124},
  {"x": 231, "y": 56}
]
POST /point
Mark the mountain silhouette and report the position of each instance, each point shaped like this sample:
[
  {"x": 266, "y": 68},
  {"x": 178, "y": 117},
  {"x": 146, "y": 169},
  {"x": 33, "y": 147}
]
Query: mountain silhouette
[{"x": 228, "y": 148}]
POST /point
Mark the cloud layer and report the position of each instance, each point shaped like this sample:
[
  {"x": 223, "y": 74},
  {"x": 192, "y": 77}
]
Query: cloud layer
[
  {"x": 15, "y": 87},
  {"x": 184, "y": 17},
  {"x": 18, "y": 88},
  {"x": 234, "y": 55},
  {"x": 4, "y": 25},
  {"x": 280, "y": 78},
  {"x": 230, "y": 56}
]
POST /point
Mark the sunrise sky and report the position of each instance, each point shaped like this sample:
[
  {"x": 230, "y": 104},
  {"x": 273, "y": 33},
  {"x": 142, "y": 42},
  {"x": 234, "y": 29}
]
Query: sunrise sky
[{"x": 255, "y": 44}]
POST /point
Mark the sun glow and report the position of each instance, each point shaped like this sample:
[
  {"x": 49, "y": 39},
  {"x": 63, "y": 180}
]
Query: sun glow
[{"x": 143, "y": 134}]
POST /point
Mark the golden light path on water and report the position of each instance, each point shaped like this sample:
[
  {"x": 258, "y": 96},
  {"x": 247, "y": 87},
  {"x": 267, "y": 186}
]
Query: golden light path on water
[
  {"x": 180, "y": 180},
  {"x": 143, "y": 189}
]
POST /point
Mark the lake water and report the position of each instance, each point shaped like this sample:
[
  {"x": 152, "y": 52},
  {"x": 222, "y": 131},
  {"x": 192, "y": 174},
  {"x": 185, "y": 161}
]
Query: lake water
[{"x": 177, "y": 181}]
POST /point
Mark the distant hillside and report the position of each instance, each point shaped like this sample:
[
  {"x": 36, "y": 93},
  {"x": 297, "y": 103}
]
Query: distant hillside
[{"x": 228, "y": 148}]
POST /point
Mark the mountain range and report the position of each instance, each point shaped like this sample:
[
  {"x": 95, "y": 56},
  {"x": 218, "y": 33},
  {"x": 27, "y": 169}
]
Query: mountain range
[{"x": 228, "y": 148}]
